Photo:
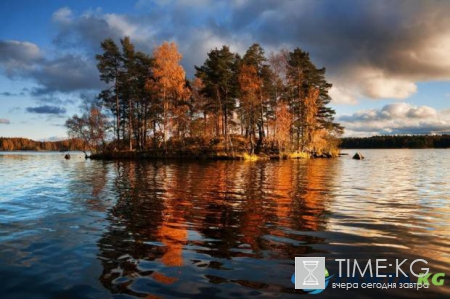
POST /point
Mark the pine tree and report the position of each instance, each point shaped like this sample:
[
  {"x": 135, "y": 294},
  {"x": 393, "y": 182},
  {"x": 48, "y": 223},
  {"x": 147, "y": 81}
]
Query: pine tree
[
  {"x": 219, "y": 77},
  {"x": 110, "y": 66}
]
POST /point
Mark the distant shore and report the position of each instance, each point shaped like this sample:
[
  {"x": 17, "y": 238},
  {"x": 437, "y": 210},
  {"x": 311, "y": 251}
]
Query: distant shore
[{"x": 396, "y": 141}]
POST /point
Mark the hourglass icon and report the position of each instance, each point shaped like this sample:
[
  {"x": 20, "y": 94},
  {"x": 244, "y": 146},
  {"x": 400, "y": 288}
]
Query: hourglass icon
[{"x": 310, "y": 279}]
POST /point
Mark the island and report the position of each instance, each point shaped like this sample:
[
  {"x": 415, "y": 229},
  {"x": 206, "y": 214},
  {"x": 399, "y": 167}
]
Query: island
[{"x": 252, "y": 107}]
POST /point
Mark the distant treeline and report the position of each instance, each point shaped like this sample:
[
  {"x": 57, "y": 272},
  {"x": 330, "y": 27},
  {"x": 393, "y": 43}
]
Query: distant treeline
[
  {"x": 23, "y": 144},
  {"x": 397, "y": 141}
]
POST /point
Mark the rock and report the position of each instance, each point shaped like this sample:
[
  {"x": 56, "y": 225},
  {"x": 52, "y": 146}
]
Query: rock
[{"x": 358, "y": 156}]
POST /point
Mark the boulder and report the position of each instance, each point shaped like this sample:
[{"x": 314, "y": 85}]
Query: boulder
[{"x": 358, "y": 156}]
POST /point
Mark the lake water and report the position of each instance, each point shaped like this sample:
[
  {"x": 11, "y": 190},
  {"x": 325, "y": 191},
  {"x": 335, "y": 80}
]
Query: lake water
[{"x": 154, "y": 229}]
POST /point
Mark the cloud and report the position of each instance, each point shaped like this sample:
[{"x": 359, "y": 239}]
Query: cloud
[
  {"x": 341, "y": 95},
  {"x": 378, "y": 85},
  {"x": 16, "y": 56},
  {"x": 12, "y": 50},
  {"x": 46, "y": 110},
  {"x": 4, "y": 121},
  {"x": 11, "y": 94},
  {"x": 369, "y": 48},
  {"x": 89, "y": 29},
  {"x": 63, "y": 15},
  {"x": 65, "y": 74},
  {"x": 397, "y": 118}
]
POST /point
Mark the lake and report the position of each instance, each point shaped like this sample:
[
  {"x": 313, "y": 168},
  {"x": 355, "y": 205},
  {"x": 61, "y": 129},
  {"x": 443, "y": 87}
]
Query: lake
[{"x": 216, "y": 229}]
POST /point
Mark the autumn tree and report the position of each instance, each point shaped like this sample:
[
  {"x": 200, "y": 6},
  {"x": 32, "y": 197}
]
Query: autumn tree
[
  {"x": 283, "y": 123},
  {"x": 170, "y": 85},
  {"x": 250, "y": 105},
  {"x": 310, "y": 120},
  {"x": 278, "y": 66},
  {"x": 201, "y": 125},
  {"x": 255, "y": 58}
]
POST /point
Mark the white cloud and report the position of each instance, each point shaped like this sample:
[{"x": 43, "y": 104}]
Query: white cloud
[
  {"x": 121, "y": 25},
  {"x": 397, "y": 118},
  {"x": 422, "y": 112},
  {"x": 377, "y": 85},
  {"x": 63, "y": 15},
  {"x": 342, "y": 96}
]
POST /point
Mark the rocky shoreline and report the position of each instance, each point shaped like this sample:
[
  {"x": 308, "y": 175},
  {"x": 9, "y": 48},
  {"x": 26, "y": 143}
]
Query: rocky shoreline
[{"x": 205, "y": 155}]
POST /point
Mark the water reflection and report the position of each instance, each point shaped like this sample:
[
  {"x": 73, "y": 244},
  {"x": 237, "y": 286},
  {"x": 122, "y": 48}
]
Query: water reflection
[
  {"x": 89, "y": 229},
  {"x": 212, "y": 224}
]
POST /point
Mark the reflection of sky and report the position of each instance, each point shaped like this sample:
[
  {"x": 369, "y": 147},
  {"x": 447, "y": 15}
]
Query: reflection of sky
[
  {"x": 41, "y": 229},
  {"x": 399, "y": 198}
]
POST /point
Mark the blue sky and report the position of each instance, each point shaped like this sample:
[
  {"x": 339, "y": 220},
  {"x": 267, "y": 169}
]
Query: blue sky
[{"x": 388, "y": 60}]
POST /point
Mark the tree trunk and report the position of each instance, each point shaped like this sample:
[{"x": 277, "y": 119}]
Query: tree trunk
[{"x": 130, "y": 125}]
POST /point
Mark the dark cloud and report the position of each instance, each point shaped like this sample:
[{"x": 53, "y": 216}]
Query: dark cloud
[
  {"x": 16, "y": 56},
  {"x": 4, "y": 121},
  {"x": 19, "y": 51},
  {"x": 88, "y": 30},
  {"x": 46, "y": 110},
  {"x": 398, "y": 118},
  {"x": 378, "y": 49},
  {"x": 65, "y": 74},
  {"x": 10, "y": 94},
  {"x": 54, "y": 99}
]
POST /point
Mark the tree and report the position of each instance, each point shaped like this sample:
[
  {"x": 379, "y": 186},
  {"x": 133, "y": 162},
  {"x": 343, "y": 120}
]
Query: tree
[
  {"x": 310, "y": 121},
  {"x": 129, "y": 85},
  {"x": 255, "y": 58},
  {"x": 90, "y": 127},
  {"x": 144, "y": 111},
  {"x": 219, "y": 76},
  {"x": 302, "y": 76},
  {"x": 110, "y": 66},
  {"x": 283, "y": 123},
  {"x": 169, "y": 84},
  {"x": 250, "y": 86}
]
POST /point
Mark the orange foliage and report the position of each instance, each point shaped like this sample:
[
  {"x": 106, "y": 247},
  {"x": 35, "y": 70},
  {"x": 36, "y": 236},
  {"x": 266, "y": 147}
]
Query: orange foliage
[
  {"x": 283, "y": 125},
  {"x": 170, "y": 85}
]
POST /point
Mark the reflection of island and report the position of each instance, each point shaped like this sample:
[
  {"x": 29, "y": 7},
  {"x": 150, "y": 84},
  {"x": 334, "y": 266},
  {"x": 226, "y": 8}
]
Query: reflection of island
[
  {"x": 229, "y": 209},
  {"x": 91, "y": 178},
  {"x": 144, "y": 226}
]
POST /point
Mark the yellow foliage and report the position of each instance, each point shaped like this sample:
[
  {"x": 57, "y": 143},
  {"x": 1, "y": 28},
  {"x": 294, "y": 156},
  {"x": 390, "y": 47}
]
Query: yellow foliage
[
  {"x": 299, "y": 155},
  {"x": 248, "y": 157}
]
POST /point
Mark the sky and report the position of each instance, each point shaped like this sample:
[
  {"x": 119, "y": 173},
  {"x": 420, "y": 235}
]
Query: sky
[{"x": 388, "y": 60}]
